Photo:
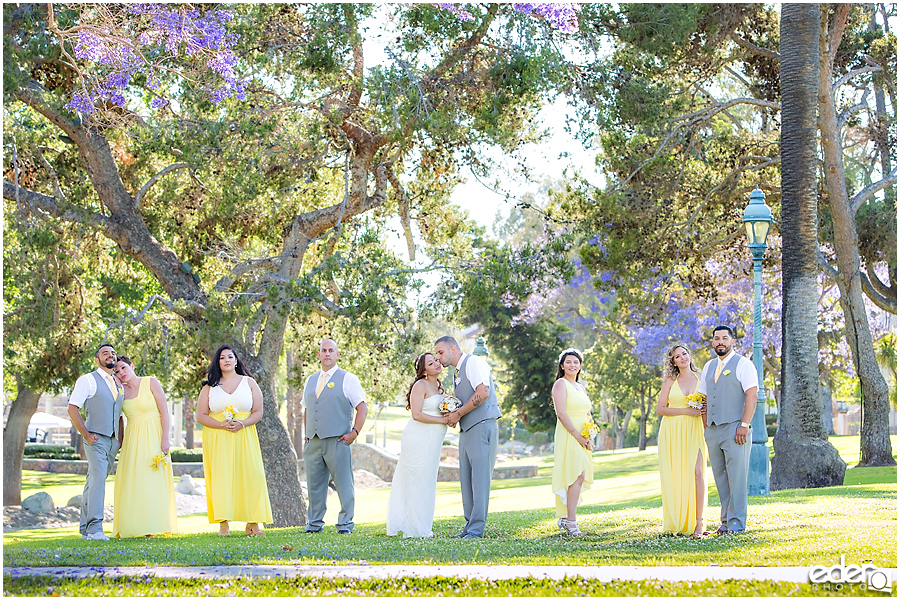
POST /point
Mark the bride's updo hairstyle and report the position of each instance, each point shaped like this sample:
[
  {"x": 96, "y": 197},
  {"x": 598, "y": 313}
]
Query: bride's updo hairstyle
[{"x": 420, "y": 374}]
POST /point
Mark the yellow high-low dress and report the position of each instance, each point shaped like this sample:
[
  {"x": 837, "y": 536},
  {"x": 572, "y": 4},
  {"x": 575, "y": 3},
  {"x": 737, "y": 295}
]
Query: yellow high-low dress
[
  {"x": 680, "y": 441},
  {"x": 232, "y": 462},
  {"x": 571, "y": 459},
  {"x": 144, "y": 497}
]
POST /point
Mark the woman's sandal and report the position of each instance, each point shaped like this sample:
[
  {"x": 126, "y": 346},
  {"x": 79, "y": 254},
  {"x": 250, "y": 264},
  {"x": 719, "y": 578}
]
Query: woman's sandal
[
  {"x": 570, "y": 527},
  {"x": 225, "y": 531},
  {"x": 257, "y": 533},
  {"x": 698, "y": 534}
]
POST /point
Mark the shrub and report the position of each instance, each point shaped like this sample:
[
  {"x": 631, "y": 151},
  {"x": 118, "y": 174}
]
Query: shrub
[
  {"x": 539, "y": 439},
  {"x": 34, "y": 449},
  {"x": 182, "y": 455}
]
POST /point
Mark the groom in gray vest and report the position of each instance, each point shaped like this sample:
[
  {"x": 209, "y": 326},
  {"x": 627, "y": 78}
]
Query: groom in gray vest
[
  {"x": 330, "y": 396},
  {"x": 730, "y": 383},
  {"x": 100, "y": 396},
  {"x": 477, "y": 418}
]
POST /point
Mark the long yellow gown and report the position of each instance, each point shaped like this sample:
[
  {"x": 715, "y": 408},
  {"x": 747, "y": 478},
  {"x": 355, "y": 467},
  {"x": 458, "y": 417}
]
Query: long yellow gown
[
  {"x": 144, "y": 497},
  {"x": 232, "y": 462},
  {"x": 680, "y": 440},
  {"x": 571, "y": 459}
]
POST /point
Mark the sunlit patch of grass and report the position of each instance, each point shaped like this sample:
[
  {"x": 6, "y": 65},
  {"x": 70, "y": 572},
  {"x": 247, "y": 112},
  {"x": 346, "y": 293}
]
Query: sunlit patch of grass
[{"x": 405, "y": 586}]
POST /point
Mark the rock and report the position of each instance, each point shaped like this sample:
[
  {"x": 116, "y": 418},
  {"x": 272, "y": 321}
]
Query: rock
[
  {"x": 39, "y": 503},
  {"x": 75, "y": 501},
  {"x": 187, "y": 485}
]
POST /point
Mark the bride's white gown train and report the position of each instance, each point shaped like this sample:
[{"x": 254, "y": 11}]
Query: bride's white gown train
[{"x": 413, "y": 489}]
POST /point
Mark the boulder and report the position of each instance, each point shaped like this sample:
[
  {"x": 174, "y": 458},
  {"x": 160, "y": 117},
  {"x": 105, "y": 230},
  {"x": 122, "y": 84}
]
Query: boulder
[
  {"x": 39, "y": 503},
  {"x": 187, "y": 485},
  {"x": 74, "y": 501}
]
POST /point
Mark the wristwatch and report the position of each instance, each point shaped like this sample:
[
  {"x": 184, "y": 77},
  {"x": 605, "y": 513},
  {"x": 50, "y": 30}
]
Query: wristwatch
[{"x": 747, "y": 425}]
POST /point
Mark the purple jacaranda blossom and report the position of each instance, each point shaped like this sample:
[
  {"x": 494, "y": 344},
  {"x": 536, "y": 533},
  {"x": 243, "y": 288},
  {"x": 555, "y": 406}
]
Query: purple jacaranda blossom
[{"x": 162, "y": 32}]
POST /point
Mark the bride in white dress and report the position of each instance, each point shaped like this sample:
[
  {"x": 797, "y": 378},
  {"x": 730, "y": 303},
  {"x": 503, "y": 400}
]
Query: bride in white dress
[{"x": 413, "y": 489}]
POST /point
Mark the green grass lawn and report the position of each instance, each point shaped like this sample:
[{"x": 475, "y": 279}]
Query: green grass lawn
[{"x": 622, "y": 515}]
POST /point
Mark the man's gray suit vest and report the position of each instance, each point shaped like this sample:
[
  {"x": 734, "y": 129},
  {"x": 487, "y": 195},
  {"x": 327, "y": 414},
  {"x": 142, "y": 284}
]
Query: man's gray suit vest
[
  {"x": 328, "y": 415},
  {"x": 489, "y": 409},
  {"x": 103, "y": 411},
  {"x": 725, "y": 399}
]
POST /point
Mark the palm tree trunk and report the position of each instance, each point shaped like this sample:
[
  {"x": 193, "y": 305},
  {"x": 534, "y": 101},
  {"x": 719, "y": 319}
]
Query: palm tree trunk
[{"x": 803, "y": 455}]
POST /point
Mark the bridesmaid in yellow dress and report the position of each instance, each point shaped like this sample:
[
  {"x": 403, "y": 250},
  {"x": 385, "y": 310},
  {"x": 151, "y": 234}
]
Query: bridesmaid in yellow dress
[
  {"x": 144, "y": 498},
  {"x": 682, "y": 448},
  {"x": 572, "y": 467},
  {"x": 229, "y": 407}
]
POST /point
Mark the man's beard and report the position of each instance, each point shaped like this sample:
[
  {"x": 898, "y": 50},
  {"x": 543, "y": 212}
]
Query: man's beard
[
  {"x": 110, "y": 364},
  {"x": 722, "y": 351}
]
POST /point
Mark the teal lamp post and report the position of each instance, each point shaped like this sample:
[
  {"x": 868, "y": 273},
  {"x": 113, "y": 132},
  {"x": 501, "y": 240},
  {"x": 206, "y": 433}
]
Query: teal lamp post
[
  {"x": 757, "y": 220},
  {"x": 480, "y": 348}
]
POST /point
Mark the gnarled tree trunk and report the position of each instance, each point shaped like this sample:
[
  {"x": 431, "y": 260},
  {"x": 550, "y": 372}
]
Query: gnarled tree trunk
[
  {"x": 803, "y": 455},
  {"x": 875, "y": 440},
  {"x": 14, "y": 434}
]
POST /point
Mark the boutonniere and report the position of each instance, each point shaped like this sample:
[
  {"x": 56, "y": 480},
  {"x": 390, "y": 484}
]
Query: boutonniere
[
  {"x": 726, "y": 372},
  {"x": 330, "y": 384}
]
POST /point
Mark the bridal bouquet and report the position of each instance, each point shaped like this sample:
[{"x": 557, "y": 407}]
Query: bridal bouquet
[
  {"x": 159, "y": 461},
  {"x": 449, "y": 404},
  {"x": 589, "y": 430},
  {"x": 229, "y": 413},
  {"x": 696, "y": 400}
]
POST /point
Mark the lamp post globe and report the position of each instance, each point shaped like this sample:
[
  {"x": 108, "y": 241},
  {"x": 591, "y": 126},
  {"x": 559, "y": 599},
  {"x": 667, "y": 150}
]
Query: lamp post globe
[{"x": 757, "y": 221}]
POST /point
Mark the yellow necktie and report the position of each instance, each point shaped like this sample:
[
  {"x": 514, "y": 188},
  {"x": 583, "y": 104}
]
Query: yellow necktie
[
  {"x": 321, "y": 385},
  {"x": 112, "y": 386},
  {"x": 719, "y": 370}
]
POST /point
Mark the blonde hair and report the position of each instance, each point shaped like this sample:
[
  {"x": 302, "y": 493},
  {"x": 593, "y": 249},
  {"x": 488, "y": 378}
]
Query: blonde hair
[{"x": 670, "y": 370}]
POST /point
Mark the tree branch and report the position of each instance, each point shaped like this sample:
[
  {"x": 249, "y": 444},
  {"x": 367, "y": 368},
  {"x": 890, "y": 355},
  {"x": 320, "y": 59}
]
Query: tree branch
[
  {"x": 872, "y": 189},
  {"x": 403, "y": 206},
  {"x": 851, "y": 110},
  {"x": 50, "y": 205},
  {"x": 139, "y": 197},
  {"x": 854, "y": 73},
  {"x": 882, "y": 301},
  {"x": 759, "y": 51},
  {"x": 823, "y": 264},
  {"x": 239, "y": 270}
]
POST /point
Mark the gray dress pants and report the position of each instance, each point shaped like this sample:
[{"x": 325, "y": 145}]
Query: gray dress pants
[
  {"x": 101, "y": 456},
  {"x": 730, "y": 463},
  {"x": 328, "y": 459},
  {"x": 477, "y": 453}
]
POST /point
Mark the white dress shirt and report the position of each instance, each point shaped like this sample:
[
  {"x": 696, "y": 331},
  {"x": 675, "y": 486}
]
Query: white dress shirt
[
  {"x": 745, "y": 372},
  {"x": 477, "y": 371},
  {"x": 352, "y": 387},
  {"x": 86, "y": 387}
]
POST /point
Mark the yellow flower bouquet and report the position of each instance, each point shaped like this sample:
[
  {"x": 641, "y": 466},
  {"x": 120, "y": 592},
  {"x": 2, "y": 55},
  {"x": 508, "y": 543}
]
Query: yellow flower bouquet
[
  {"x": 229, "y": 412},
  {"x": 159, "y": 461},
  {"x": 589, "y": 430},
  {"x": 696, "y": 400}
]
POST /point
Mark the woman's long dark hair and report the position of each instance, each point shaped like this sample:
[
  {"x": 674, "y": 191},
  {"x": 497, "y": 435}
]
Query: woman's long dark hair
[
  {"x": 420, "y": 374},
  {"x": 214, "y": 373},
  {"x": 562, "y": 357}
]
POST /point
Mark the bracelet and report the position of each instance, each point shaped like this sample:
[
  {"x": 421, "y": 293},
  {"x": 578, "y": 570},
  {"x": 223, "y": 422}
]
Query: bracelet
[{"x": 354, "y": 429}]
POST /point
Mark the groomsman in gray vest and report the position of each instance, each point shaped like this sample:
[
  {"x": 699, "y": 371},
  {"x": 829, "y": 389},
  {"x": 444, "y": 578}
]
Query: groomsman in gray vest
[
  {"x": 100, "y": 395},
  {"x": 477, "y": 419},
  {"x": 730, "y": 383},
  {"x": 330, "y": 397}
]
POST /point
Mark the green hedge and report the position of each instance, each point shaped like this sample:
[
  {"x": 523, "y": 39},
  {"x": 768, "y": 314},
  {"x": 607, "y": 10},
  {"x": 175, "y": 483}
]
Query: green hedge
[
  {"x": 34, "y": 450},
  {"x": 181, "y": 455}
]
